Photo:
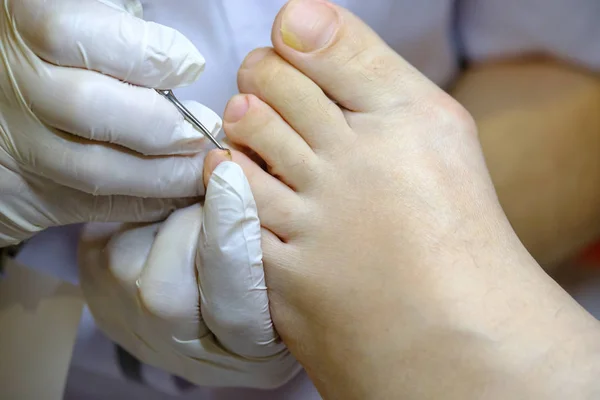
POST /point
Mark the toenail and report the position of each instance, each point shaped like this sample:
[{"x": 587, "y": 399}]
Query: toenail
[
  {"x": 308, "y": 25},
  {"x": 236, "y": 109},
  {"x": 212, "y": 161},
  {"x": 254, "y": 57}
]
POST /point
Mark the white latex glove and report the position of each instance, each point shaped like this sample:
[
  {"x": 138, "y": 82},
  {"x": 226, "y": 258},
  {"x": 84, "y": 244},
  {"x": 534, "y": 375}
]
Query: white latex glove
[
  {"x": 78, "y": 121},
  {"x": 189, "y": 295}
]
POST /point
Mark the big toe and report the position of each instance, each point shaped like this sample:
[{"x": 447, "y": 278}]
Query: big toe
[{"x": 345, "y": 57}]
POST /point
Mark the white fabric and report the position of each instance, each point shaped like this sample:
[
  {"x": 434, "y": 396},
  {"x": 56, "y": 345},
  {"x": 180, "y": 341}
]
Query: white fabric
[
  {"x": 189, "y": 295},
  {"x": 422, "y": 31}
]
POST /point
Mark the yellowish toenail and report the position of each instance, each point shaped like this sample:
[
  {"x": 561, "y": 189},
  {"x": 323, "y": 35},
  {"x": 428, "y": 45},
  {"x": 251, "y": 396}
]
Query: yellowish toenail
[{"x": 308, "y": 25}]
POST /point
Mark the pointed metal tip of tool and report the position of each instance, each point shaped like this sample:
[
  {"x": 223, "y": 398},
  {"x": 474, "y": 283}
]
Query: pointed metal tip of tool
[{"x": 168, "y": 94}]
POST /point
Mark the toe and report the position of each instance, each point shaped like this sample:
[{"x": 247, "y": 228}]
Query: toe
[
  {"x": 252, "y": 124},
  {"x": 299, "y": 101},
  {"x": 280, "y": 209},
  {"x": 344, "y": 57}
]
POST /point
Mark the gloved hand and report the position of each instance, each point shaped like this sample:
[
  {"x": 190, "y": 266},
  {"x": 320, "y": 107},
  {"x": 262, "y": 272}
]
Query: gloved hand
[
  {"x": 79, "y": 122},
  {"x": 189, "y": 295}
]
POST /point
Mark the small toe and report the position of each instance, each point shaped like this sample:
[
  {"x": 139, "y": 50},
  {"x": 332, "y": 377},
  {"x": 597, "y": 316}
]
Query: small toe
[
  {"x": 252, "y": 124},
  {"x": 299, "y": 101},
  {"x": 280, "y": 209}
]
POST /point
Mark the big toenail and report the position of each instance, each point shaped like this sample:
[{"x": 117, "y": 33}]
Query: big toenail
[
  {"x": 308, "y": 25},
  {"x": 254, "y": 57},
  {"x": 236, "y": 109}
]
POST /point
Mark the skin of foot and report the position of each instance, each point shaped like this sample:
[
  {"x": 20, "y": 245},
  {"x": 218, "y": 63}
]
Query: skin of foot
[
  {"x": 539, "y": 128},
  {"x": 392, "y": 269}
]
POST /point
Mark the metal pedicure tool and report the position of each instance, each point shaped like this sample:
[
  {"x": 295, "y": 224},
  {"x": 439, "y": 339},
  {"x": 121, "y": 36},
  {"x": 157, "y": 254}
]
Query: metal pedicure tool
[{"x": 168, "y": 94}]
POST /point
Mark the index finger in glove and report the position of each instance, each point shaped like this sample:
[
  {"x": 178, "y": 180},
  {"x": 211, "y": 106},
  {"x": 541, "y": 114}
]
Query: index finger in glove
[
  {"x": 109, "y": 170},
  {"x": 233, "y": 293},
  {"x": 97, "y": 107},
  {"x": 96, "y": 36}
]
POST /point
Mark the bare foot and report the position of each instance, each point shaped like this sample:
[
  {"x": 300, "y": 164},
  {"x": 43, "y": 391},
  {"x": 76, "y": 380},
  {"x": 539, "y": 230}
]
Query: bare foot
[{"x": 387, "y": 254}]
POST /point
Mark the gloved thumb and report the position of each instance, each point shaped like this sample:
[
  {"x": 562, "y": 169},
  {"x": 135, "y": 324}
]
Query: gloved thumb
[{"x": 233, "y": 292}]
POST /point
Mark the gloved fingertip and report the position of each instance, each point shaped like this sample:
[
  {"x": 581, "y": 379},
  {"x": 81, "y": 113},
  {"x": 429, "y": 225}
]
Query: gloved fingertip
[
  {"x": 212, "y": 161},
  {"x": 193, "y": 66},
  {"x": 191, "y": 63},
  {"x": 171, "y": 60}
]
